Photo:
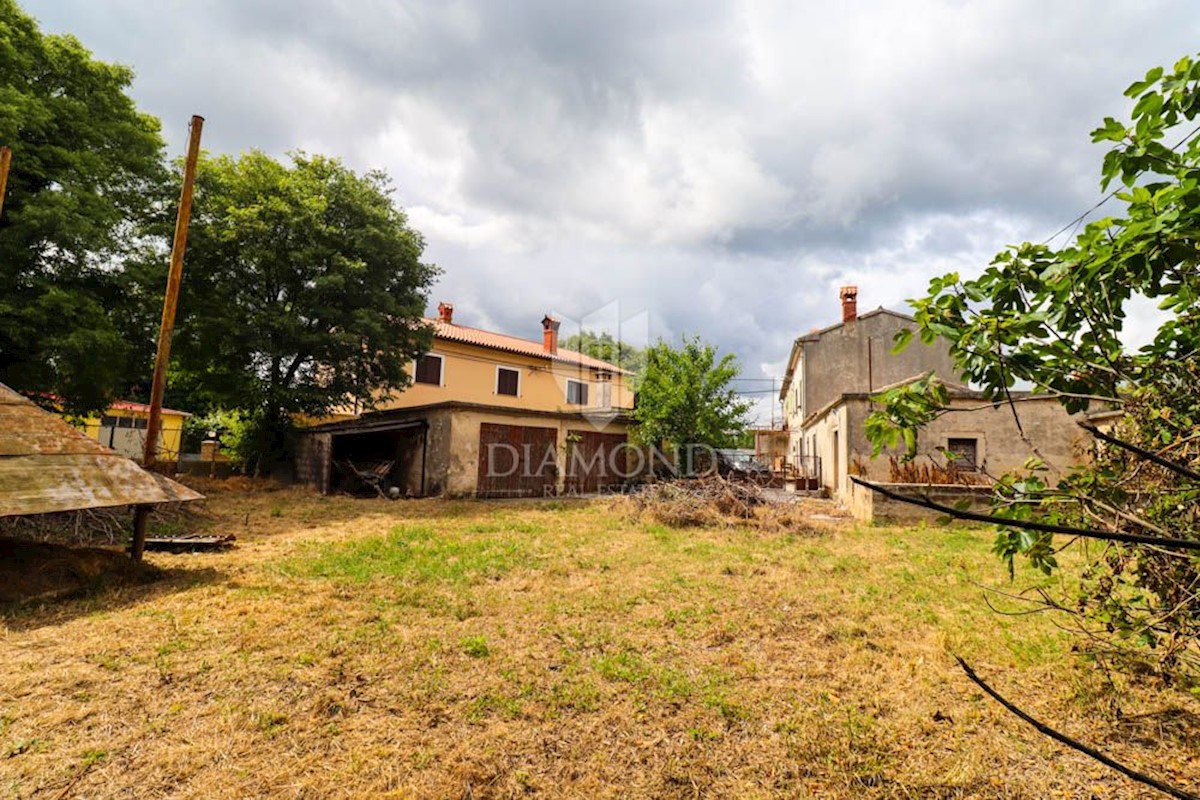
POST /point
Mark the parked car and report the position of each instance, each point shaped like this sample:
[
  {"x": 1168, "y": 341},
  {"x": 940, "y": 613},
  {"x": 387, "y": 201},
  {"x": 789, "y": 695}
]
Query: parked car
[{"x": 740, "y": 465}]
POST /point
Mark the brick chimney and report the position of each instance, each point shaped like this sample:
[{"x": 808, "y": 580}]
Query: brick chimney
[
  {"x": 550, "y": 334},
  {"x": 849, "y": 295},
  {"x": 446, "y": 313}
]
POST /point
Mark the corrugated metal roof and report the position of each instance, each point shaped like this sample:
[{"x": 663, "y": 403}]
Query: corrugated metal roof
[
  {"x": 46, "y": 465},
  {"x": 514, "y": 344}
]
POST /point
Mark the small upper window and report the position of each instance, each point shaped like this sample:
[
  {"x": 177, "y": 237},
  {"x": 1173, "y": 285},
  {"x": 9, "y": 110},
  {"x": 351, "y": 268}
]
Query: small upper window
[
  {"x": 429, "y": 370},
  {"x": 964, "y": 454},
  {"x": 508, "y": 381},
  {"x": 577, "y": 393}
]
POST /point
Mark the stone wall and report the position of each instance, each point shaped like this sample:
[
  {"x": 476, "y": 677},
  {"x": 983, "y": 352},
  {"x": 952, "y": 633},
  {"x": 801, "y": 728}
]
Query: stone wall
[
  {"x": 1001, "y": 446},
  {"x": 873, "y": 507},
  {"x": 857, "y": 357}
]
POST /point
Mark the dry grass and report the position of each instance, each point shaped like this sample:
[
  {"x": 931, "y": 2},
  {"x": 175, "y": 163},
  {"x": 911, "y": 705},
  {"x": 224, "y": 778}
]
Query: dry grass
[
  {"x": 354, "y": 648},
  {"x": 39, "y": 571}
]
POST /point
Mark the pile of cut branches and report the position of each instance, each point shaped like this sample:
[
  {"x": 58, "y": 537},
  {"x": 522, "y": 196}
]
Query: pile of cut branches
[
  {"x": 101, "y": 526},
  {"x": 712, "y": 501}
]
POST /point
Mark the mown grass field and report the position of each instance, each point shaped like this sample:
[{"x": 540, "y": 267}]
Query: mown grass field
[{"x": 354, "y": 648}]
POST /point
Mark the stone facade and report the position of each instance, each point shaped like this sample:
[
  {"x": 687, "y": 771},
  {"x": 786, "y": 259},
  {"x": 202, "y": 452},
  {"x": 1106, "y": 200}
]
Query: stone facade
[
  {"x": 853, "y": 356},
  {"x": 833, "y": 373},
  {"x": 438, "y": 449},
  {"x": 857, "y": 357}
]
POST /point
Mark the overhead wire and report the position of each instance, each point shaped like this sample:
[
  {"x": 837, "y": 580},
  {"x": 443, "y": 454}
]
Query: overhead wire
[{"x": 1077, "y": 221}]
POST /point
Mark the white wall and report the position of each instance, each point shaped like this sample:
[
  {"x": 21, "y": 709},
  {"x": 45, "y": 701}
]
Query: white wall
[{"x": 833, "y": 465}]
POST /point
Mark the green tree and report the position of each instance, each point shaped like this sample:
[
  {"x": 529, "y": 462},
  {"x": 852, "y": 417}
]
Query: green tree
[
  {"x": 1053, "y": 319},
  {"x": 607, "y": 348},
  {"x": 85, "y": 167},
  {"x": 303, "y": 293},
  {"x": 686, "y": 397}
]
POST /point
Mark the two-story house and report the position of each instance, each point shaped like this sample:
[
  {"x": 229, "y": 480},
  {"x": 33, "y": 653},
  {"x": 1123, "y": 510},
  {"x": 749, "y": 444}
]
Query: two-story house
[
  {"x": 832, "y": 374},
  {"x": 488, "y": 414}
]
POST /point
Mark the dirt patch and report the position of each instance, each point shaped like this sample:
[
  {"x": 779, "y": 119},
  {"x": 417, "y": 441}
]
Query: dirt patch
[{"x": 41, "y": 570}]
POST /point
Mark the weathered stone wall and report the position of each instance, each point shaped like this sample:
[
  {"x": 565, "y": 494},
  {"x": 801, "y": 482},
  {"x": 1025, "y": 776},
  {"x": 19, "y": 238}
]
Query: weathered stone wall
[
  {"x": 431, "y": 444},
  {"x": 1001, "y": 445},
  {"x": 838, "y": 363},
  {"x": 873, "y": 507}
]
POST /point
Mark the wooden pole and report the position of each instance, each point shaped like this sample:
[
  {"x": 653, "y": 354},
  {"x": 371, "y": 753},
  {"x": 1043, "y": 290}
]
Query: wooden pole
[
  {"x": 167, "y": 327},
  {"x": 5, "y": 160}
]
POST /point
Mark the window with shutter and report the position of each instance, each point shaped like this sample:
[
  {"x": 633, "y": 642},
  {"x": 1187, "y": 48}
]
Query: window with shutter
[
  {"x": 508, "y": 381},
  {"x": 429, "y": 370},
  {"x": 577, "y": 393}
]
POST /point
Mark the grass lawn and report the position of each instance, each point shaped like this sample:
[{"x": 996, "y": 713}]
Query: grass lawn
[{"x": 459, "y": 649}]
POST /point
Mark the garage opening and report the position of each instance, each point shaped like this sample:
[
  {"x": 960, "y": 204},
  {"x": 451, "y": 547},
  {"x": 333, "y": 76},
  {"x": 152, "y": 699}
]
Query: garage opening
[{"x": 387, "y": 462}]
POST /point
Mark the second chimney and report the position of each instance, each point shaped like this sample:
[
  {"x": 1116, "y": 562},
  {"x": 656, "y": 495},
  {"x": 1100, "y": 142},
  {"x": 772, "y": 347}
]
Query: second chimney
[
  {"x": 446, "y": 313},
  {"x": 849, "y": 295},
  {"x": 550, "y": 334}
]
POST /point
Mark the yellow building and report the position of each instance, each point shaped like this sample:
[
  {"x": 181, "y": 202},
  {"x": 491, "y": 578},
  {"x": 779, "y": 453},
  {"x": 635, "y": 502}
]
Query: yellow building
[
  {"x": 487, "y": 414},
  {"x": 123, "y": 428},
  {"x": 469, "y": 365}
]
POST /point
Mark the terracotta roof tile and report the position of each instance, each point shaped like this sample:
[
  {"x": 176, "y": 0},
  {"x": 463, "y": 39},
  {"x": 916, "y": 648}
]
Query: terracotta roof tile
[{"x": 513, "y": 344}]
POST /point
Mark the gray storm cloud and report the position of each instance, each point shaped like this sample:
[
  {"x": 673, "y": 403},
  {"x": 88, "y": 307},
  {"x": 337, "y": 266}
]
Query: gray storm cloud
[{"x": 720, "y": 166}]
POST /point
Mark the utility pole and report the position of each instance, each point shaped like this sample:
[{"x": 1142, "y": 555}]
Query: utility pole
[
  {"x": 772, "y": 404},
  {"x": 5, "y": 160},
  {"x": 170, "y": 302}
]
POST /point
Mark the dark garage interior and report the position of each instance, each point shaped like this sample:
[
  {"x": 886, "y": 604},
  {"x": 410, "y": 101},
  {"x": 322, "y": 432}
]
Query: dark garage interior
[{"x": 388, "y": 461}]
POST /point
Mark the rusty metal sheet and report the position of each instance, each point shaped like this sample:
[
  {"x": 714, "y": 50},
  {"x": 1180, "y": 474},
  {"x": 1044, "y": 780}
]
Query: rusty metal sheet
[
  {"x": 46, "y": 465},
  {"x": 29, "y": 431}
]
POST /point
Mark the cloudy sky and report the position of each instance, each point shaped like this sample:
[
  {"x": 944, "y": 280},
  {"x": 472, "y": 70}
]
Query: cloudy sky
[{"x": 713, "y": 168}]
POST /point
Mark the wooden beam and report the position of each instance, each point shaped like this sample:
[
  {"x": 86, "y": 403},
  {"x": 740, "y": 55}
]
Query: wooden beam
[
  {"x": 5, "y": 160},
  {"x": 167, "y": 327}
]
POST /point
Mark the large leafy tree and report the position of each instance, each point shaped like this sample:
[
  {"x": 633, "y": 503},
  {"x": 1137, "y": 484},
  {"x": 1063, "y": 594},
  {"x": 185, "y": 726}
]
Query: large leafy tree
[
  {"x": 85, "y": 165},
  {"x": 686, "y": 397},
  {"x": 606, "y": 347},
  {"x": 1053, "y": 319},
  {"x": 303, "y": 292}
]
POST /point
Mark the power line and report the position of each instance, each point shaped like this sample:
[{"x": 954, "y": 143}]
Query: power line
[{"x": 1079, "y": 219}]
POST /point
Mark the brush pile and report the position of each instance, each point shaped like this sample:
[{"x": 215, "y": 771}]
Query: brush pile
[
  {"x": 713, "y": 502},
  {"x": 693, "y": 502},
  {"x": 102, "y": 526}
]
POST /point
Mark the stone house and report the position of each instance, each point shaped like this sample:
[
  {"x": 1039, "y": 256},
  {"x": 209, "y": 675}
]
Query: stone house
[
  {"x": 488, "y": 414},
  {"x": 832, "y": 374}
]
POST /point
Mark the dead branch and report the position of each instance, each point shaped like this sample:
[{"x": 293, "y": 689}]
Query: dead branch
[
  {"x": 1149, "y": 455},
  {"x": 1043, "y": 527},
  {"x": 1062, "y": 738}
]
